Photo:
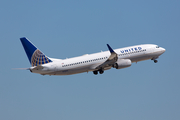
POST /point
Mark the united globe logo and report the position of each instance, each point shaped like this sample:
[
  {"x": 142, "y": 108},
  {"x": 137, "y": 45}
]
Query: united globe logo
[{"x": 38, "y": 58}]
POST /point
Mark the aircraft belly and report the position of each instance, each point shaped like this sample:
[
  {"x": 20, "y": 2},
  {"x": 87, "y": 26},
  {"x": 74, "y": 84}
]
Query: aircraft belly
[
  {"x": 72, "y": 71},
  {"x": 158, "y": 53},
  {"x": 139, "y": 58}
]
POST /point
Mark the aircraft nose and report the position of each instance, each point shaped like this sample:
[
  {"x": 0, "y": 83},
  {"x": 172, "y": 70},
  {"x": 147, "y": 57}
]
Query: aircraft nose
[{"x": 163, "y": 50}]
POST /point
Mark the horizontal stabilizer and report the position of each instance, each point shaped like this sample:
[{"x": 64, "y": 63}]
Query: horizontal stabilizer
[
  {"x": 37, "y": 68},
  {"x": 20, "y": 68}
]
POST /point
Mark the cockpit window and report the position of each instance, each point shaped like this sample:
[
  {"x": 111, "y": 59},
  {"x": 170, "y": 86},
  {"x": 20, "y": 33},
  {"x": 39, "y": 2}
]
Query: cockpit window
[{"x": 157, "y": 46}]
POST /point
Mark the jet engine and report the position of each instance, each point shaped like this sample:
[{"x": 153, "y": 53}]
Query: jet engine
[{"x": 122, "y": 63}]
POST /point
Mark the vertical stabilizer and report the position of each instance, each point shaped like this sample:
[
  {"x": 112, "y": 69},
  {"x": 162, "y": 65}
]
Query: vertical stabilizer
[{"x": 35, "y": 56}]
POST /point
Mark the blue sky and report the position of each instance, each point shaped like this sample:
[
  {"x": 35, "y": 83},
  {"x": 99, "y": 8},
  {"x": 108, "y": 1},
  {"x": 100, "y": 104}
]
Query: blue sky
[{"x": 61, "y": 29}]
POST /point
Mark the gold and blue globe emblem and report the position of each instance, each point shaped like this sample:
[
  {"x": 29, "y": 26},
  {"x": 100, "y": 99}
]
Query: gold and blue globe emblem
[{"x": 38, "y": 58}]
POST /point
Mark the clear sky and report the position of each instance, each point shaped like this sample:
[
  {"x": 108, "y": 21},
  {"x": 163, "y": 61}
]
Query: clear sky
[{"x": 64, "y": 29}]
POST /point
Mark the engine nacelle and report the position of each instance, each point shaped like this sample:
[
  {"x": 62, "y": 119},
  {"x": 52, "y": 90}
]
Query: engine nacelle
[{"x": 122, "y": 63}]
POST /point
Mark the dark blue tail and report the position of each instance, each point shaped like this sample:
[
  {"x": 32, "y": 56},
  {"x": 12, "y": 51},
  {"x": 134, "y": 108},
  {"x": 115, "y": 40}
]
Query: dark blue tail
[{"x": 35, "y": 56}]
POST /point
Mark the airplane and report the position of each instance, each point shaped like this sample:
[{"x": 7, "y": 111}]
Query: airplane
[{"x": 96, "y": 62}]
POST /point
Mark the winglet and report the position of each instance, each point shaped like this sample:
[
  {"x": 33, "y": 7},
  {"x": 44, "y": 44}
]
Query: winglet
[
  {"x": 110, "y": 49},
  {"x": 111, "y": 60}
]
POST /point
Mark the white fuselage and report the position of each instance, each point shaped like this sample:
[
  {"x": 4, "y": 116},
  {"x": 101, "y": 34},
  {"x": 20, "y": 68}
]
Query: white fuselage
[{"x": 89, "y": 62}]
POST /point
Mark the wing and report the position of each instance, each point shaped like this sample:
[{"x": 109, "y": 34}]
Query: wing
[{"x": 110, "y": 61}]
